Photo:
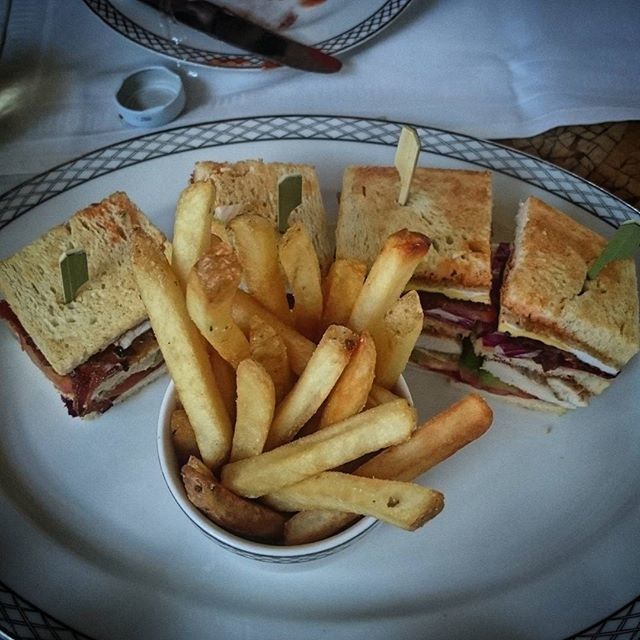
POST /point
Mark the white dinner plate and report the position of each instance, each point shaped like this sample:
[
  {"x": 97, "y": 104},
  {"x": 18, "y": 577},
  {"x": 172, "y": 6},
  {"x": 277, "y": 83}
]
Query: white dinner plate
[
  {"x": 539, "y": 535},
  {"x": 333, "y": 26}
]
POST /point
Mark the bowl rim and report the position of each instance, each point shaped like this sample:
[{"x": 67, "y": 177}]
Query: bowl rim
[{"x": 228, "y": 540}]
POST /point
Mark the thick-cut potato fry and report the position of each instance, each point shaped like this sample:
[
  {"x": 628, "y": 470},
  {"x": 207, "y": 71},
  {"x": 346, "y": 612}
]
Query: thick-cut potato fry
[
  {"x": 299, "y": 260},
  {"x": 311, "y": 525},
  {"x": 192, "y": 227},
  {"x": 314, "y": 385},
  {"x": 268, "y": 348},
  {"x": 299, "y": 348},
  {"x": 402, "y": 504},
  {"x": 256, "y": 242},
  {"x": 435, "y": 440},
  {"x": 325, "y": 449},
  {"x": 225, "y": 376},
  {"x": 395, "y": 337},
  {"x": 254, "y": 412},
  {"x": 211, "y": 286},
  {"x": 240, "y": 516},
  {"x": 379, "y": 395},
  {"x": 350, "y": 393},
  {"x": 390, "y": 272},
  {"x": 182, "y": 437},
  {"x": 218, "y": 228},
  {"x": 341, "y": 288},
  {"x": 184, "y": 349},
  {"x": 432, "y": 442}
]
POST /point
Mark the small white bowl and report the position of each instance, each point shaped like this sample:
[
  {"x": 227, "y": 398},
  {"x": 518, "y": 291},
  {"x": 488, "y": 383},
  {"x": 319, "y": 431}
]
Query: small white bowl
[
  {"x": 150, "y": 97},
  {"x": 279, "y": 554}
]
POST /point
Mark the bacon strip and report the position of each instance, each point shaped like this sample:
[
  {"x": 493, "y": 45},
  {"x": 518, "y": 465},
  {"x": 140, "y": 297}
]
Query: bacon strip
[{"x": 78, "y": 387}]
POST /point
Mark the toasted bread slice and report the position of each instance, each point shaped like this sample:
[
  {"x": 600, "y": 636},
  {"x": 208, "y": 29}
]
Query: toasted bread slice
[
  {"x": 452, "y": 207},
  {"x": 106, "y": 307},
  {"x": 545, "y": 294},
  {"x": 251, "y": 186}
]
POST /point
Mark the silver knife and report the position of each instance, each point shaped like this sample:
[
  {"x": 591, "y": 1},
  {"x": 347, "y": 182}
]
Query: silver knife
[{"x": 244, "y": 34}]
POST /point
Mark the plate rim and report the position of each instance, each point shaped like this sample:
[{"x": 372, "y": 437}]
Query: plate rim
[
  {"x": 77, "y": 174},
  {"x": 342, "y": 42}
]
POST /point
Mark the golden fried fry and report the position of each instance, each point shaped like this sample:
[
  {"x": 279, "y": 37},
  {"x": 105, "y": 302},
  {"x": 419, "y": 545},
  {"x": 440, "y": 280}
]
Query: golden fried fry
[
  {"x": 314, "y": 385},
  {"x": 390, "y": 272},
  {"x": 299, "y": 348},
  {"x": 341, "y": 289},
  {"x": 256, "y": 242},
  {"x": 269, "y": 349},
  {"x": 211, "y": 287},
  {"x": 300, "y": 263},
  {"x": 350, "y": 393},
  {"x": 402, "y": 504},
  {"x": 183, "y": 348},
  {"x": 395, "y": 337},
  {"x": 255, "y": 406},
  {"x": 325, "y": 449},
  {"x": 431, "y": 443},
  {"x": 192, "y": 227},
  {"x": 225, "y": 376}
]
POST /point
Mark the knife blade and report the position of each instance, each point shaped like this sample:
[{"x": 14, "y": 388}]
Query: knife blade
[{"x": 224, "y": 25}]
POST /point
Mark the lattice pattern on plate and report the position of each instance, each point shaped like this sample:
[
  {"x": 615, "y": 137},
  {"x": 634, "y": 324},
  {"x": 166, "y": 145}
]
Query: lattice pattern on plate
[
  {"x": 21, "y": 620},
  {"x": 451, "y": 145},
  {"x": 339, "y": 43}
]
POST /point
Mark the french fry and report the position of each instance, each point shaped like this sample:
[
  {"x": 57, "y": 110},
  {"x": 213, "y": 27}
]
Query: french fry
[
  {"x": 395, "y": 337},
  {"x": 341, "y": 288},
  {"x": 350, "y": 393},
  {"x": 183, "y": 348},
  {"x": 379, "y": 395},
  {"x": 225, "y": 376},
  {"x": 268, "y": 348},
  {"x": 218, "y": 228},
  {"x": 325, "y": 449},
  {"x": 299, "y": 348},
  {"x": 192, "y": 227},
  {"x": 311, "y": 525},
  {"x": 256, "y": 242},
  {"x": 246, "y": 518},
  {"x": 390, "y": 272},
  {"x": 431, "y": 443},
  {"x": 402, "y": 504},
  {"x": 311, "y": 389},
  {"x": 254, "y": 413},
  {"x": 183, "y": 438},
  {"x": 211, "y": 286},
  {"x": 300, "y": 263}
]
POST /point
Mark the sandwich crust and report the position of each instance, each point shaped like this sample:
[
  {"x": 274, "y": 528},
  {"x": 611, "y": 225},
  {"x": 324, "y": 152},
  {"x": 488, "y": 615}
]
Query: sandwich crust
[
  {"x": 252, "y": 187},
  {"x": 545, "y": 293},
  {"x": 106, "y": 306},
  {"x": 452, "y": 207}
]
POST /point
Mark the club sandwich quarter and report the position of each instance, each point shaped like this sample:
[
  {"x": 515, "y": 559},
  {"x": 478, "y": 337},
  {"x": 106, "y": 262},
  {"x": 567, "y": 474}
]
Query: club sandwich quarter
[
  {"x": 516, "y": 319},
  {"x": 98, "y": 348}
]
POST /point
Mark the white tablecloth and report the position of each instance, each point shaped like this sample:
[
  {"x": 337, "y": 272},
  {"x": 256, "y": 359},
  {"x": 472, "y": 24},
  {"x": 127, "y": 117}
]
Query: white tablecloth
[{"x": 496, "y": 68}]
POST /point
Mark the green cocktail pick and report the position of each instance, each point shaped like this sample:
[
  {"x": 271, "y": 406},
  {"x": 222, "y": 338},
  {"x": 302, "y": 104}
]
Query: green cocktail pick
[
  {"x": 623, "y": 244},
  {"x": 75, "y": 272},
  {"x": 289, "y": 197}
]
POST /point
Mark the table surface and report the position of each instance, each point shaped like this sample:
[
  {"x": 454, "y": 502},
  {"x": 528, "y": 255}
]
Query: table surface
[{"x": 607, "y": 154}]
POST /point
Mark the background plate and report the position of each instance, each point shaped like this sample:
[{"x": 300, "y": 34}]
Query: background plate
[
  {"x": 333, "y": 26},
  {"x": 539, "y": 535}
]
